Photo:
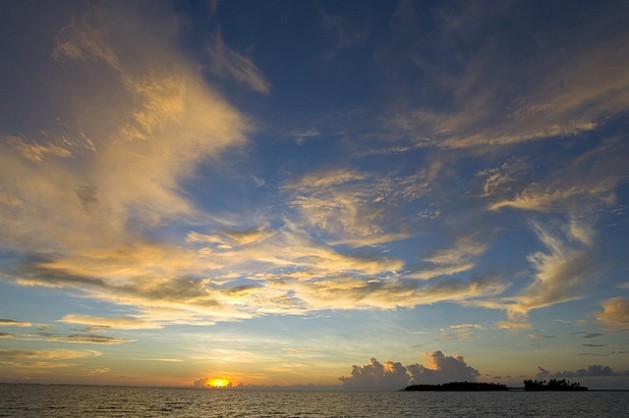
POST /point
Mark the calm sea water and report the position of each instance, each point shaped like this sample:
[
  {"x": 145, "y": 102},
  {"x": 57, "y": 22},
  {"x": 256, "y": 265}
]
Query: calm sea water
[{"x": 99, "y": 401}]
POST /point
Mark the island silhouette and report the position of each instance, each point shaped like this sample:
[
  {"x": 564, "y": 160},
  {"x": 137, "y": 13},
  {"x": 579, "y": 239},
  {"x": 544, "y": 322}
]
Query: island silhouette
[
  {"x": 529, "y": 386},
  {"x": 552, "y": 385}
]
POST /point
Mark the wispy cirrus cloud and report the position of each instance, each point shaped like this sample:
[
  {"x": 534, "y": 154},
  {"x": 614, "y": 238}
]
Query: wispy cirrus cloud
[
  {"x": 59, "y": 354},
  {"x": 584, "y": 182},
  {"x": 41, "y": 360},
  {"x": 84, "y": 339},
  {"x": 571, "y": 95},
  {"x": 457, "y": 259},
  {"x": 225, "y": 62},
  {"x": 14, "y": 323},
  {"x": 122, "y": 323},
  {"x": 562, "y": 272}
]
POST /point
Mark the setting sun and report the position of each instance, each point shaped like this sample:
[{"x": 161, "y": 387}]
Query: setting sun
[{"x": 217, "y": 383}]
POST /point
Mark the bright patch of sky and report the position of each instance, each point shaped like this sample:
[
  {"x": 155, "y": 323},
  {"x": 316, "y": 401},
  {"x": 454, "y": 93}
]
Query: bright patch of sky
[{"x": 263, "y": 193}]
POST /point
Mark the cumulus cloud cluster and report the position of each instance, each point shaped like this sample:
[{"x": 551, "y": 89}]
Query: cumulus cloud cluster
[{"x": 394, "y": 376}]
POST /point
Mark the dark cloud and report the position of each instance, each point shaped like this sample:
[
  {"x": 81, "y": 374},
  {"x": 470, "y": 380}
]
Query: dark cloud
[
  {"x": 594, "y": 370},
  {"x": 593, "y": 335},
  {"x": 6, "y": 335},
  {"x": 393, "y": 375},
  {"x": 85, "y": 339}
]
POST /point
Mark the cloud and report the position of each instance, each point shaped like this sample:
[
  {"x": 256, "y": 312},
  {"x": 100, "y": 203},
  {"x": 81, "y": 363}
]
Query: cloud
[
  {"x": 349, "y": 207},
  {"x": 84, "y": 199},
  {"x": 376, "y": 376},
  {"x": 453, "y": 260},
  {"x": 571, "y": 95},
  {"x": 14, "y": 323},
  {"x": 460, "y": 331},
  {"x": 394, "y": 376},
  {"x": 583, "y": 183},
  {"x": 562, "y": 273},
  {"x": 226, "y": 62},
  {"x": 441, "y": 369},
  {"x": 84, "y": 339},
  {"x": 594, "y": 370},
  {"x": 38, "y": 360},
  {"x": 615, "y": 315},
  {"x": 124, "y": 323},
  {"x": 6, "y": 335},
  {"x": 463, "y": 326},
  {"x": 344, "y": 33},
  {"x": 593, "y": 335},
  {"x": 58, "y": 354}
]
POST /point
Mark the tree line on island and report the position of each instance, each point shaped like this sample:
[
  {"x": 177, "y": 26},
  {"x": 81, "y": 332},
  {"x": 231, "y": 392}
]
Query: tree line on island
[
  {"x": 553, "y": 384},
  {"x": 529, "y": 385}
]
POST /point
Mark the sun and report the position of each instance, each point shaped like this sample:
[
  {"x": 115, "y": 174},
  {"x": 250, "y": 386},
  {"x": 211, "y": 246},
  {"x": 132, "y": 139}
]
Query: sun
[{"x": 217, "y": 383}]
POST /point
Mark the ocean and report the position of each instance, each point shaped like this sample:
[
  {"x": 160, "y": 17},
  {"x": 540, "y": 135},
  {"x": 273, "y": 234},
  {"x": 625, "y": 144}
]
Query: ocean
[{"x": 18, "y": 400}]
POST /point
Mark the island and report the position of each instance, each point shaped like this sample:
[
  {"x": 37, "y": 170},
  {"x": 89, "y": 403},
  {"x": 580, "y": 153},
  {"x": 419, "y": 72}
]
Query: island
[
  {"x": 529, "y": 386},
  {"x": 457, "y": 387},
  {"x": 552, "y": 385}
]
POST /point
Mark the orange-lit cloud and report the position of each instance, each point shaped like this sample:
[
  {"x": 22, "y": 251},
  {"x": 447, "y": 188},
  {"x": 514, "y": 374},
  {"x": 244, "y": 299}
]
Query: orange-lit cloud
[
  {"x": 615, "y": 314},
  {"x": 109, "y": 322},
  {"x": 562, "y": 273},
  {"x": 14, "y": 323}
]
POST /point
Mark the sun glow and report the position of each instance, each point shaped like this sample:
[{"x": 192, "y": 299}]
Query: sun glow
[{"x": 217, "y": 383}]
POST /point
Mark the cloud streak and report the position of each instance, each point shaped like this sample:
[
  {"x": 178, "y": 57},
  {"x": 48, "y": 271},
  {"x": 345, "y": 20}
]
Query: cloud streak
[
  {"x": 14, "y": 323},
  {"x": 225, "y": 62}
]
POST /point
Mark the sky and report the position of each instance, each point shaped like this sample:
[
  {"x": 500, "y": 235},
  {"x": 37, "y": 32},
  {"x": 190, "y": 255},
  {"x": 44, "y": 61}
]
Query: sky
[{"x": 349, "y": 194}]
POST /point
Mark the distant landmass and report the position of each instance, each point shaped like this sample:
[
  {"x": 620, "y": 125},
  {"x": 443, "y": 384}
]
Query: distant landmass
[
  {"x": 529, "y": 386},
  {"x": 457, "y": 387},
  {"x": 552, "y": 385}
]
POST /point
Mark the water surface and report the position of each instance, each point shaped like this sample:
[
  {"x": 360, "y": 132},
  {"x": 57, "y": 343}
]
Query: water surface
[{"x": 103, "y": 401}]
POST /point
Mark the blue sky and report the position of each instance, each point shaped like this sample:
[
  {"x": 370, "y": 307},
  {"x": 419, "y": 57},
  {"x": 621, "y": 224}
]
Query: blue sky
[{"x": 289, "y": 193}]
